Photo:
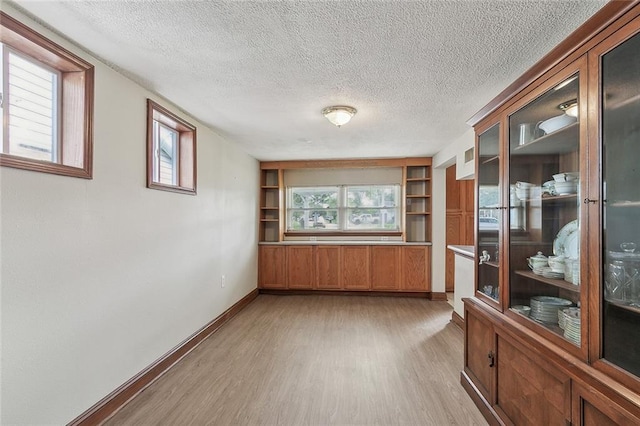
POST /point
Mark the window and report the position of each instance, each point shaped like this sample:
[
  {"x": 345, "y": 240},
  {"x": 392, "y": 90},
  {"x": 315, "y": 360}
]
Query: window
[
  {"x": 366, "y": 208},
  {"x": 171, "y": 151},
  {"x": 46, "y": 104}
]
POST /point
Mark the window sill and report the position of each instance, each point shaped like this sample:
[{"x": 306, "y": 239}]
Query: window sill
[
  {"x": 170, "y": 188},
  {"x": 7, "y": 160}
]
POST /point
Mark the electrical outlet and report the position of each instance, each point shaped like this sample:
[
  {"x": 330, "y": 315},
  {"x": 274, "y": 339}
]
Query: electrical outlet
[{"x": 222, "y": 281}]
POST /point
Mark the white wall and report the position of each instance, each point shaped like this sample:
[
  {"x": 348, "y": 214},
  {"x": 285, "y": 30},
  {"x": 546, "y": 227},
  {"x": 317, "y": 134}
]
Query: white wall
[
  {"x": 452, "y": 153},
  {"x": 101, "y": 277}
]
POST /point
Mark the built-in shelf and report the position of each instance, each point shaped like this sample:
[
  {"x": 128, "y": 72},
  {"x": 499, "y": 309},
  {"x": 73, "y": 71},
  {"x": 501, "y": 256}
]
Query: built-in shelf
[
  {"x": 556, "y": 283},
  {"x": 559, "y": 142},
  {"x": 269, "y": 220},
  {"x": 623, "y": 203},
  {"x": 492, "y": 264},
  {"x": 269, "y": 208},
  {"x": 634, "y": 309},
  {"x": 422, "y": 179},
  {"x": 418, "y": 196},
  {"x": 269, "y": 187},
  {"x": 417, "y": 213},
  {"x": 564, "y": 197},
  {"x": 490, "y": 160}
]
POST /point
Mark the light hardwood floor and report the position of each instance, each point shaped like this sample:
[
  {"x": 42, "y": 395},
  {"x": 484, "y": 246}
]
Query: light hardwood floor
[{"x": 318, "y": 360}]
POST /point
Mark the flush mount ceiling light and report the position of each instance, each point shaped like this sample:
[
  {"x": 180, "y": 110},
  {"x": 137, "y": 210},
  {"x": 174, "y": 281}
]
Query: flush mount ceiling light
[
  {"x": 339, "y": 114},
  {"x": 570, "y": 108}
]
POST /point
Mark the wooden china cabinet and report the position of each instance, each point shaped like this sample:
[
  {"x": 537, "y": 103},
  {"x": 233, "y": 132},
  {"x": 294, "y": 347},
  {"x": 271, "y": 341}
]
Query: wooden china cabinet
[{"x": 552, "y": 335}]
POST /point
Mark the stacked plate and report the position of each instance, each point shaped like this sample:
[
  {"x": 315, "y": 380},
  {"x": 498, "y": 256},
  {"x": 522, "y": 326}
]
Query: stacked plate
[
  {"x": 567, "y": 312},
  {"x": 550, "y": 273},
  {"x": 545, "y": 308},
  {"x": 572, "y": 324}
]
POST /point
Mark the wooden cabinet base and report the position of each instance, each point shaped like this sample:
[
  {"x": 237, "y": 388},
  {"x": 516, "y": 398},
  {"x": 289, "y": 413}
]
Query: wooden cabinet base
[
  {"x": 423, "y": 294},
  {"x": 527, "y": 380},
  {"x": 370, "y": 268}
]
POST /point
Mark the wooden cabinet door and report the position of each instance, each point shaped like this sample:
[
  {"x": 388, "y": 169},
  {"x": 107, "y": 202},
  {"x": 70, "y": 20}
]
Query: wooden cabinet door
[
  {"x": 328, "y": 267},
  {"x": 530, "y": 391},
  {"x": 416, "y": 268},
  {"x": 271, "y": 267},
  {"x": 301, "y": 267},
  {"x": 385, "y": 267},
  {"x": 591, "y": 408},
  {"x": 479, "y": 351},
  {"x": 355, "y": 270}
]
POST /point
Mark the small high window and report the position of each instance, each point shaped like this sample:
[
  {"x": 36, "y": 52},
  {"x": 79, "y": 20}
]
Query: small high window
[
  {"x": 171, "y": 151},
  {"x": 46, "y": 102}
]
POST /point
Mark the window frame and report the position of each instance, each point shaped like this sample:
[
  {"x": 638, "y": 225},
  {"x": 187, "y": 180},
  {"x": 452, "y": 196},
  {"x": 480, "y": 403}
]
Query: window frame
[
  {"x": 75, "y": 110},
  {"x": 186, "y": 170},
  {"x": 342, "y": 213}
]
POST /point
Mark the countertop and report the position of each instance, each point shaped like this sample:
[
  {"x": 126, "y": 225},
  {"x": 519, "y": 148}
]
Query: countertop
[
  {"x": 467, "y": 251},
  {"x": 344, "y": 243}
]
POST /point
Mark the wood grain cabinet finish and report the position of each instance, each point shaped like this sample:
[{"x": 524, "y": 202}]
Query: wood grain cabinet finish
[
  {"x": 530, "y": 393},
  {"x": 355, "y": 267},
  {"x": 479, "y": 352},
  {"x": 590, "y": 408},
  {"x": 328, "y": 268},
  {"x": 271, "y": 270},
  {"x": 301, "y": 271},
  {"x": 385, "y": 268},
  {"x": 416, "y": 268}
]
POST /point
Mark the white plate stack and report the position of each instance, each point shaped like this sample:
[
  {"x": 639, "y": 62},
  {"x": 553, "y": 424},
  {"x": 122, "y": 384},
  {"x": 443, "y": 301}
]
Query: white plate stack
[
  {"x": 572, "y": 324},
  {"x": 545, "y": 308}
]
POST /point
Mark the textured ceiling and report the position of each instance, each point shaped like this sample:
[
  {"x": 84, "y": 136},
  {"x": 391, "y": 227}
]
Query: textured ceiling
[{"x": 260, "y": 72}]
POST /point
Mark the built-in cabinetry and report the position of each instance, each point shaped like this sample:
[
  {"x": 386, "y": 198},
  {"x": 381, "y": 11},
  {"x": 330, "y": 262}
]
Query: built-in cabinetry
[
  {"x": 346, "y": 267},
  {"x": 417, "y": 184},
  {"x": 271, "y": 220},
  {"x": 325, "y": 258},
  {"x": 553, "y": 332}
]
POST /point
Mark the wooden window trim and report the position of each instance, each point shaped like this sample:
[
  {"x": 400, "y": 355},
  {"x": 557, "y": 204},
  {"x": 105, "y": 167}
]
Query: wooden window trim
[
  {"x": 76, "y": 109},
  {"x": 187, "y": 159}
]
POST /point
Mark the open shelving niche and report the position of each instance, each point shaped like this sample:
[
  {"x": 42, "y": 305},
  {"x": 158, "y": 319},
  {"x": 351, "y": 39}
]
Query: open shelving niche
[
  {"x": 418, "y": 203},
  {"x": 270, "y": 202}
]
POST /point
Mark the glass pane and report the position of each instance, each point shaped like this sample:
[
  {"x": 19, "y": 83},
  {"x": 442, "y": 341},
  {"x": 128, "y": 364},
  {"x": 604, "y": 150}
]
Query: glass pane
[
  {"x": 313, "y": 208},
  {"x": 373, "y": 207},
  {"x": 31, "y": 109},
  {"x": 489, "y": 212},
  {"x": 544, "y": 222},
  {"x": 311, "y": 219},
  {"x": 166, "y": 146},
  {"x": 621, "y": 212}
]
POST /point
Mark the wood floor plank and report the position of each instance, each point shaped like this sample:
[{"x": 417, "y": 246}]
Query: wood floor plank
[{"x": 318, "y": 360}]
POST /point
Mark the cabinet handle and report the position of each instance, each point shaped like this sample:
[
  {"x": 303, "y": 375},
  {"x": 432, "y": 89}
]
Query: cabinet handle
[
  {"x": 589, "y": 200},
  {"x": 492, "y": 359}
]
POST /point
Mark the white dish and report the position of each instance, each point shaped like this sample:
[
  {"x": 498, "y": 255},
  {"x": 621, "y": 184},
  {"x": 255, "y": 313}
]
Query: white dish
[
  {"x": 572, "y": 245},
  {"x": 560, "y": 242},
  {"x": 566, "y": 176},
  {"x": 556, "y": 123}
]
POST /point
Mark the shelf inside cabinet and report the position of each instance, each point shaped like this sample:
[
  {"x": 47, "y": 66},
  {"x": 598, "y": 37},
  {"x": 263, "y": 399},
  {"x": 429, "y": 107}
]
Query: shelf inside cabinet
[
  {"x": 623, "y": 203},
  {"x": 418, "y": 196},
  {"x": 559, "y": 142},
  {"x": 564, "y": 197},
  {"x": 422, "y": 179},
  {"x": 492, "y": 264},
  {"x": 556, "y": 283},
  {"x": 418, "y": 213},
  {"x": 269, "y": 220},
  {"x": 634, "y": 309},
  {"x": 490, "y": 159},
  {"x": 270, "y": 187},
  {"x": 269, "y": 208}
]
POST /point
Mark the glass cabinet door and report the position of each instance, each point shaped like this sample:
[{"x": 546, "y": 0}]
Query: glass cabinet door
[
  {"x": 620, "y": 127},
  {"x": 489, "y": 214},
  {"x": 544, "y": 210}
]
